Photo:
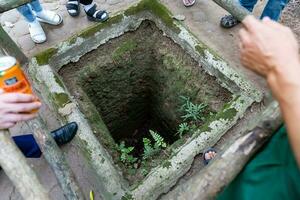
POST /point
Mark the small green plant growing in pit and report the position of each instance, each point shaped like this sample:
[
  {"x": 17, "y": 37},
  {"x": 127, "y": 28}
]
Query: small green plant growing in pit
[
  {"x": 192, "y": 112},
  {"x": 150, "y": 149},
  {"x": 183, "y": 129},
  {"x": 125, "y": 157}
]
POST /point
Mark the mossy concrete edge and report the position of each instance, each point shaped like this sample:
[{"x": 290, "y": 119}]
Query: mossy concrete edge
[{"x": 110, "y": 182}]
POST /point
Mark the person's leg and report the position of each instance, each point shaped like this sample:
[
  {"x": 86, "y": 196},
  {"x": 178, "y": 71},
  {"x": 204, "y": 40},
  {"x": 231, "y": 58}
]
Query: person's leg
[
  {"x": 30, "y": 148},
  {"x": 43, "y": 15},
  {"x": 248, "y": 4},
  {"x": 273, "y": 9},
  {"x": 86, "y": 2},
  {"x": 36, "y": 6},
  {"x": 27, "y": 13},
  {"x": 36, "y": 31}
]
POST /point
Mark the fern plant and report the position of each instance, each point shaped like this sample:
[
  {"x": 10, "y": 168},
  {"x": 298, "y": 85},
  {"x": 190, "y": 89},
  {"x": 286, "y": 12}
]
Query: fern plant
[
  {"x": 192, "y": 112},
  {"x": 183, "y": 128},
  {"x": 159, "y": 140},
  {"x": 125, "y": 156},
  {"x": 150, "y": 149}
]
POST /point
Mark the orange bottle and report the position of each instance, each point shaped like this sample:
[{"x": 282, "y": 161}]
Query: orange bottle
[{"x": 12, "y": 78}]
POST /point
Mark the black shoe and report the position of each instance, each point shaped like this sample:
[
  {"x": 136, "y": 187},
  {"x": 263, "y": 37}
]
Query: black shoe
[
  {"x": 73, "y": 8},
  {"x": 228, "y": 21},
  {"x": 96, "y": 15},
  {"x": 65, "y": 134}
]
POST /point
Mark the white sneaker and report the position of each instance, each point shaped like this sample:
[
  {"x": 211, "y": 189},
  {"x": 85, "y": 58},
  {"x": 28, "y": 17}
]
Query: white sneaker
[
  {"x": 49, "y": 17},
  {"x": 36, "y": 32}
]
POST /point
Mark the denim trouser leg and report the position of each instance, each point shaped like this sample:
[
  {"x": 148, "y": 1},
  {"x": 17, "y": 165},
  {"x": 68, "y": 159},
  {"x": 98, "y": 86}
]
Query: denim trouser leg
[
  {"x": 26, "y": 10},
  {"x": 273, "y": 9},
  {"x": 36, "y": 6},
  {"x": 28, "y": 146},
  {"x": 248, "y": 4}
]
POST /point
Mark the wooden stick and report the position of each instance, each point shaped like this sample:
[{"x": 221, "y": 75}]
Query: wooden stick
[
  {"x": 18, "y": 170},
  {"x": 10, "y": 47},
  {"x": 56, "y": 160},
  {"x": 208, "y": 182},
  {"x": 6, "y": 5},
  {"x": 234, "y": 8}
]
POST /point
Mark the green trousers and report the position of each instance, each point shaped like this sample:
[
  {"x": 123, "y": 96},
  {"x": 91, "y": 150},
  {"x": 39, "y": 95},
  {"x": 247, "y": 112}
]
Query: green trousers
[{"x": 272, "y": 174}]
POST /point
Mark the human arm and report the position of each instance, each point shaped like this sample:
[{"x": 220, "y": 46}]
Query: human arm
[
  {"x": 16, "y": 107},
  {"x": 271, "y": 50}
]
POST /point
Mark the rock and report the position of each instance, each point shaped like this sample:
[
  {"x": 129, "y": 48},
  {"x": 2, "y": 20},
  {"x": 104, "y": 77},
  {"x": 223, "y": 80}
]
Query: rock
[{"x": 179, "y": 17}]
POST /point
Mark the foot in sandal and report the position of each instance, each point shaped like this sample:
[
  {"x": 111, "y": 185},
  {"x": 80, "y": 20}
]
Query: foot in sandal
[
  {"x": 73, "y": 7},
  {"x": 37, "y": 33},
  {"x": 49, "y": 17},
  {"x": 188, "y": 3},
  {"x": 95, "y": 15},
  {"x": 208, "y": 155}
]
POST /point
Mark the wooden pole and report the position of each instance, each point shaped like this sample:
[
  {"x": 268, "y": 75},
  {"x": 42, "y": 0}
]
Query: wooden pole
[
  {"x": 56, "y": 160},
  {"x": 6, "y": 5},
  {"x": 18, "y": 170},
  {"x": 234, "y": 8},
  {"x": 10, "y": 46},
  {"x": 210, "y": 181}
]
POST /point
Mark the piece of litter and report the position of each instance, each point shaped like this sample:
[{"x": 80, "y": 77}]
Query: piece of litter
[
  {"x": 179, "y": 17},
  {"x": 91, "y": 195},
  {"x": 9, "y": 24},
  {"x": 67, "y": 110}
]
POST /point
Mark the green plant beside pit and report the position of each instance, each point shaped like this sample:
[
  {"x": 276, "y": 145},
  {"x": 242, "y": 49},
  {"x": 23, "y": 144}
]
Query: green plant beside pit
[
  {"x": 125, "y": 157},
  {"x": 192, "y": 112}
]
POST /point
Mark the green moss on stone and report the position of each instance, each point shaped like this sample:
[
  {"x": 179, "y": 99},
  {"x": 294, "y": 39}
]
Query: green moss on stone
[
  {"x": 157, "y": 9},
  {"x": 44, "y": 57},
  {"x": 58, "y": 81},
  {"x": 61, "y": 99},
  {"x": 201, "y": 48},
  {"x": 167, "y": 164},
  {"x": 227, "y": 114},
  {"x": 97, "y": 27},
  {"x": 124, "y": 48}
]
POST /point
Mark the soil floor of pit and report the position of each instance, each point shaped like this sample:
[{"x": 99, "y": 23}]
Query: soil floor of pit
[{"x": 202, "y": 19}]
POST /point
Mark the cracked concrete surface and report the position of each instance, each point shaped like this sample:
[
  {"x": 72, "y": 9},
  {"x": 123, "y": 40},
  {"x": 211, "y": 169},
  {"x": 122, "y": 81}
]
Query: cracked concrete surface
[{"x": 202, "y": 19}]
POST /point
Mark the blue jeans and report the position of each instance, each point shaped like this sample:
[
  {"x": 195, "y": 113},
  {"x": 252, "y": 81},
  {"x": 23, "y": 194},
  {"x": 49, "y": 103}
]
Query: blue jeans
[
  {"x": 272, "y": 9},
  {"x": 27, "y": 10},
  {"x": 28, "y": 146}
]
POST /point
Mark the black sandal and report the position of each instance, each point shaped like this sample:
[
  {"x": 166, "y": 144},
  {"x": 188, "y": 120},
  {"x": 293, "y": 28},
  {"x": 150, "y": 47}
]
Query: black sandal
[
  {"x": 73, "y": 7},
  {"x": 229, "y": 21},
  {"x": 96, "y": 15}
]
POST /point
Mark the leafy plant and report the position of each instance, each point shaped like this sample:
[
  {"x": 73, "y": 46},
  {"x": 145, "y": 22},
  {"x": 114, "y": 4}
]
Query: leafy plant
[
  {"x": 159, "y": 140},
  {"x": 150, "y": 149},
  {"x": 192, "y": 112},
  {"x": 144, "y": 172},
  {"x": 183, "y": 128},
  {"x": 125, "y": 157}
]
